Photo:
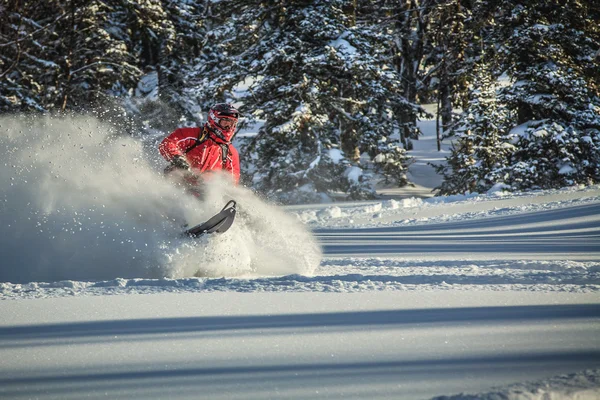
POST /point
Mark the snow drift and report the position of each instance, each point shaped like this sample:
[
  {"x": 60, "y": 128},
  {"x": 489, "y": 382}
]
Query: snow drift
[{"x": 79, "y": 202}]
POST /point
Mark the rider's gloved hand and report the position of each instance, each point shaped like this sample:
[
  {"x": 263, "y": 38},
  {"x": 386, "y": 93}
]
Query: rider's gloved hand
[{"x": 180, "y": 162}]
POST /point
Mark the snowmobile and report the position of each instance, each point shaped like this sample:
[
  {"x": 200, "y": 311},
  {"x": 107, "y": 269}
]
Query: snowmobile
[{"x": 220, "y": 222}]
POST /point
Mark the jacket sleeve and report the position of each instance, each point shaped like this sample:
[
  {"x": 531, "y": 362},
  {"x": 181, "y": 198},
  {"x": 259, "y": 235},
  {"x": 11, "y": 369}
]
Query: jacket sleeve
[
  {"x": 234, "y": 167},
  {"x": 176, "y": 143}
]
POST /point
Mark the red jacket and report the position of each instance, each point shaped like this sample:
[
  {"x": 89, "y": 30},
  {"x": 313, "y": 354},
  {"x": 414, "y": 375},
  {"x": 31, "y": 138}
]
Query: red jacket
[{"x": 203, "y": 152}]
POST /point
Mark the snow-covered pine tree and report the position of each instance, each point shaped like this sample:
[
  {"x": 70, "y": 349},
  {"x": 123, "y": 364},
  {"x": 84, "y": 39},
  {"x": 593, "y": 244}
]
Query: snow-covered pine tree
[
  {"x": 449, "y": 57},
  {"x": 550, "y": 51},
  {"x": 316, "y": 80},
  {"x": 79, "y": 54},
  {"x": 482, "y": 150},
  {"x": 168, "y": 37},
  {"x": 27, "y": 65},
  {"x": 66, "y": 55},
  {"x": 190, "y": 19},
  {"x": 407, "y": 27},
  {"x": 97, "y": 47}
]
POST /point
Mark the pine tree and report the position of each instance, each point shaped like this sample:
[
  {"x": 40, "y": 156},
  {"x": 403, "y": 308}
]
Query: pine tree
[
  {"x": 99, "y": 62},
  {"x": 408, "y": 29},
  {"x": 482, "y": 149},
  {"x": 544, "y": 52},
  {"x": 27, "y": 67},
  {"x": 549, "y": 51},
  {"x": 316, "y": 80},
  {"x": 184, "y": 51},
  {"x": 450, "y": 57},
  {"x": 78, "y": 54},
  {"x": 167, "y": 39},
  {"x": 67, "y": 55}
]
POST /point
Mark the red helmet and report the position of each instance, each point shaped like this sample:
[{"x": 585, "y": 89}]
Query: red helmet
[{"x": 222, "y": 120}]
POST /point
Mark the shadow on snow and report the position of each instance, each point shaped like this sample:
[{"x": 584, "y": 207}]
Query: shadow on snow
[
  {"x": 116, "y": 330},
  {"x": 254, "y": 380},
  {"x": 505, "y": 234}
]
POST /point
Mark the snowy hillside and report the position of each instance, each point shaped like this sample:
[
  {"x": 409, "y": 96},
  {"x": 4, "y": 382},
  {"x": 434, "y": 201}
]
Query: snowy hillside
[{"x": 495, "y": 295}]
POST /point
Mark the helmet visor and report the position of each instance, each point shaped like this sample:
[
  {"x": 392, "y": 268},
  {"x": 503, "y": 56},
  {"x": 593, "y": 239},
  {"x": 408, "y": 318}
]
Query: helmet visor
[{"x": 227, "y": 123}]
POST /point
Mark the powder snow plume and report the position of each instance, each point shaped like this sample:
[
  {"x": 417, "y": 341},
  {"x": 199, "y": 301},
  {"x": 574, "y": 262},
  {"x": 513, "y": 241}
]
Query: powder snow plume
[{"x": 79, "y": 203}]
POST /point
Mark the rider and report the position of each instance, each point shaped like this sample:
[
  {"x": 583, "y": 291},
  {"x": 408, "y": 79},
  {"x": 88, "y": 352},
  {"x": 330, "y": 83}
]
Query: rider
[{"x": 207, "y": 148}]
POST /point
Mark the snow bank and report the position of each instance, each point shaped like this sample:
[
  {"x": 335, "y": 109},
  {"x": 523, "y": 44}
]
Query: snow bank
[
  {"x": 578, "y": 386},
  {"x": 79, "y": 203},
  {"x": 352, "y": 275},
  {"x": 401, "y": 212}
]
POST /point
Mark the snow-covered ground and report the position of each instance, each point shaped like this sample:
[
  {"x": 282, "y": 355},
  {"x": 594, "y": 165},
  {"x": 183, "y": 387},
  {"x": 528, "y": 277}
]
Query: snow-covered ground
[{"x": 478, "y": 296}]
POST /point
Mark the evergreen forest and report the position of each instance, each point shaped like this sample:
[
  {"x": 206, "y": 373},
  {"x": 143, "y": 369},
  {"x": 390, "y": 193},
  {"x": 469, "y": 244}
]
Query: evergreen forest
[{"x": 334, "y": 87}]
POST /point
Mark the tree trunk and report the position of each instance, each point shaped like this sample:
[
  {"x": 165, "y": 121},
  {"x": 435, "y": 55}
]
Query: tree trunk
[
  {"x": 446, "y": 106},
  {"x": 69, "y": 60},
  {"x": 350, "y": 11},
  {"x": 411, "y": 26},
  {"x": 437, "y": 124}
]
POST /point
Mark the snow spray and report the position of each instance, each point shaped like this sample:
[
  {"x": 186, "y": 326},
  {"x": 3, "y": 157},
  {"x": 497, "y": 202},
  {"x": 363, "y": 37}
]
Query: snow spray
[{"x": 78, "y": 202}]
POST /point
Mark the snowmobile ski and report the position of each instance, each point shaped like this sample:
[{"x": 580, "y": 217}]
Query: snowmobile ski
[{"x": 219, "y": 223}]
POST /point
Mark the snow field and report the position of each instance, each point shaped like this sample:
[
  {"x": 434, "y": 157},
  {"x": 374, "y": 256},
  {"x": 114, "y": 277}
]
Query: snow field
[
  {"x": 390, "y": 344},
  {"x": 481, "y": 296}
]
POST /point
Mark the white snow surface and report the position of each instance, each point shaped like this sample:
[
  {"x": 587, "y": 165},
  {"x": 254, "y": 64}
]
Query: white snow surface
[{"x": 478, "y": 296}]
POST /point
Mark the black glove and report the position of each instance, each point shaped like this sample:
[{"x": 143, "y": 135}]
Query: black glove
[{"x": 180, "y": 162}]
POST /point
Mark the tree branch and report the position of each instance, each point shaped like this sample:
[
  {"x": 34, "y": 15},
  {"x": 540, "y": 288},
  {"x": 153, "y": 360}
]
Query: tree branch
[
  {"x": 18, "y": 57},
  {"x": 43, "y": 28}
]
